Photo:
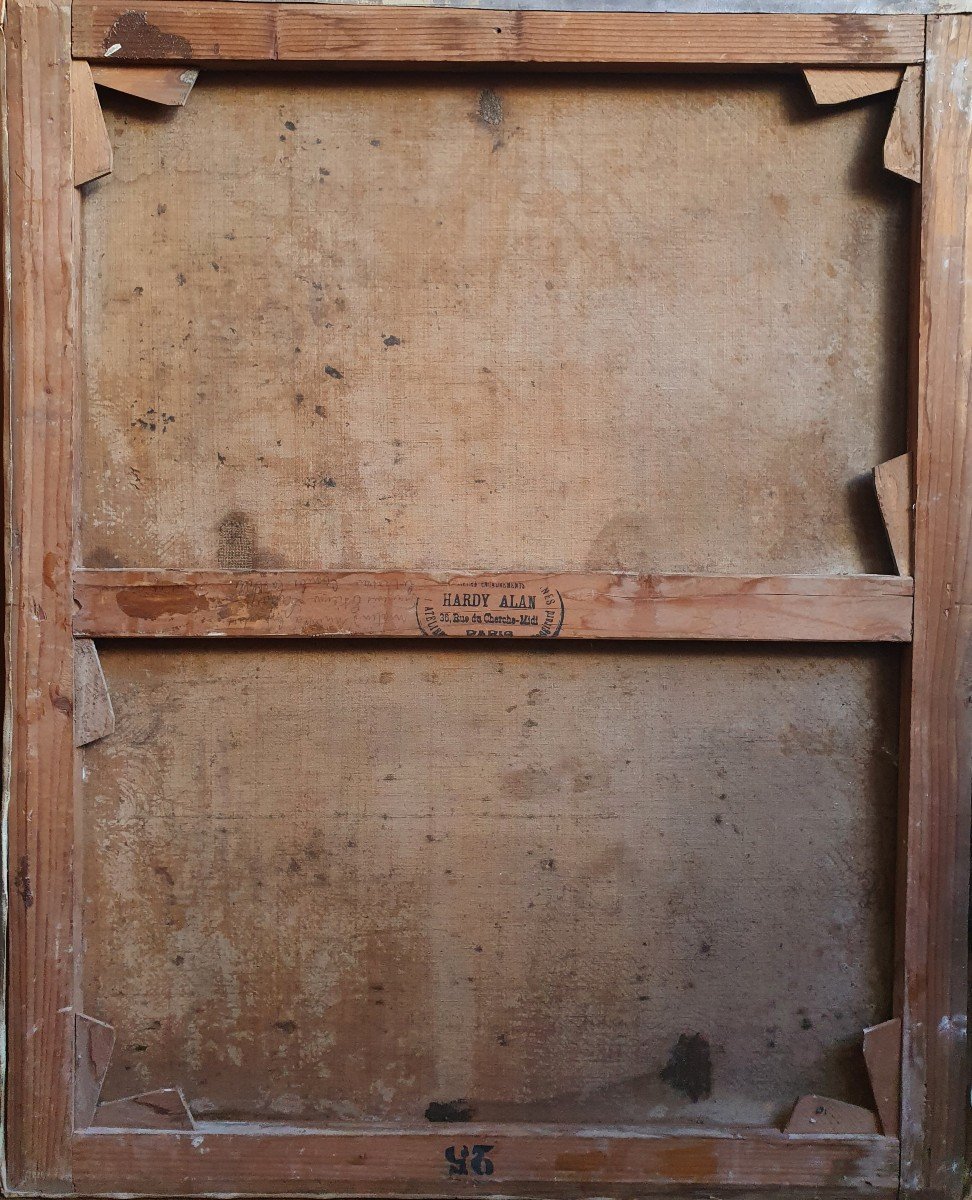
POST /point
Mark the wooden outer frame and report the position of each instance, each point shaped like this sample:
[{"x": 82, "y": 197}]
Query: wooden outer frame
[
  {"x": 40, "y": 213},
  {"x": 40, "y": 305},
  {"x": 938, "y": 782},
  {"x": 201, "y": 32}
]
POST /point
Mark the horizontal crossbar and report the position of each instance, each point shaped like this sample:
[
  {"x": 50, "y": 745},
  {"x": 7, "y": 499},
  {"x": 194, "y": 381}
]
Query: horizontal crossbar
[{"x": 301, "y": 604}]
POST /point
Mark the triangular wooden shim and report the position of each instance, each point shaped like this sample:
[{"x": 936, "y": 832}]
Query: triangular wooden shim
[
  {"x": 162, "y": 1109},
  {"x": 882, "y": 1053},
  {"x": 839, "y": 85},
  {"x": 892, "y": 482},
  {"x": 93, "y": 1044},
  {"x": 902, "y": 146},
  {"x": 91, "y": 144},
  {"x": 161, "y": 85},
  {"x": 94, "y": 716},
  {"x": 820, "y": 1115}
]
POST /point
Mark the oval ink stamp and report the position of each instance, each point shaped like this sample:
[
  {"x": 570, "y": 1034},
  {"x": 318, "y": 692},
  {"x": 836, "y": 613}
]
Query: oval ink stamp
[{"x": 490, "y": 607}]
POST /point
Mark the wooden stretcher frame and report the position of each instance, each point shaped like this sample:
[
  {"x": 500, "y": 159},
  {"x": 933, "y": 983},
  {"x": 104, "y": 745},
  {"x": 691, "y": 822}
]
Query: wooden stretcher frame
[{"x": 49, "y": 604}]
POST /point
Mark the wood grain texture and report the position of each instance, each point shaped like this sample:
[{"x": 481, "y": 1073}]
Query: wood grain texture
[
  {"x": 485, "y": 330},
  {"x": 190, "y": 31},
  {"x": 935, "y": 1056},
  {"x": 893, "y": 483},
  {"x": 93, "y": 715},
  {"x": 39, "y": 313},
  {"x": 776, "y": 7},
  {"x": 93, "y": 1044},
  {"x": 902, "y": 146},
  {"x": 91, "y": 145},
  {"x": 882, "y": 1054},
  {"x": 338, "y": 883},
  {"x": 161, "y": 85},
  {"x": 363, "y": 1164},
  {"x": 839, "y": 85},
  {"x": 118, "y": 603},
  {"x": 164, "y": 1109}
]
